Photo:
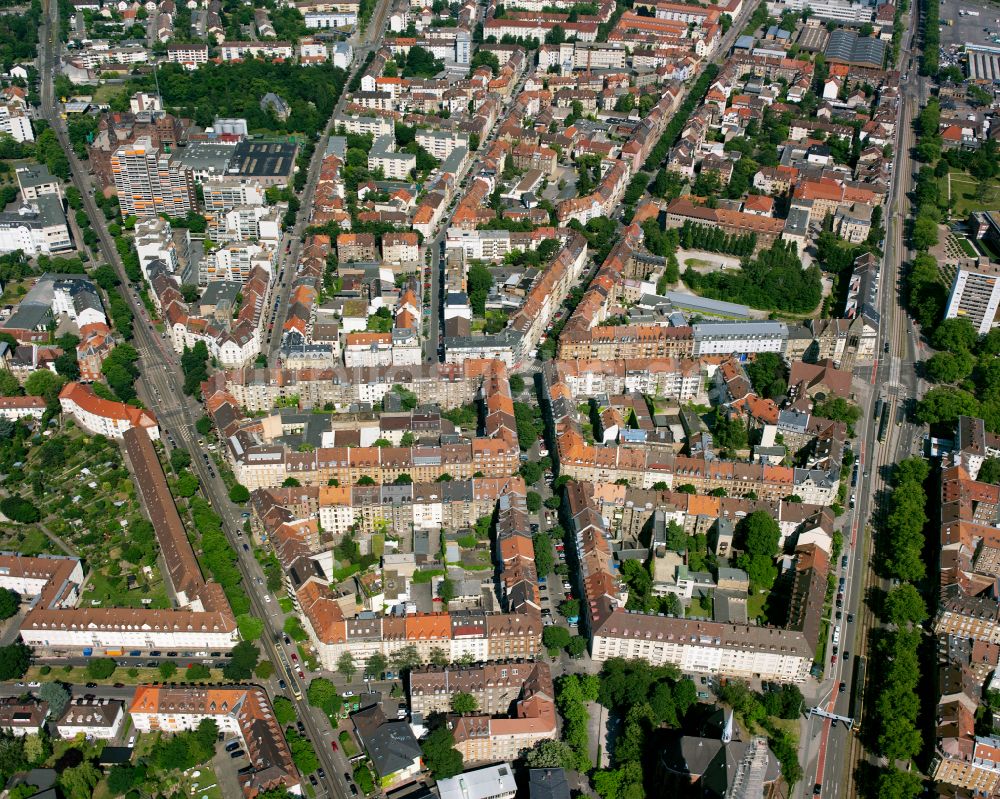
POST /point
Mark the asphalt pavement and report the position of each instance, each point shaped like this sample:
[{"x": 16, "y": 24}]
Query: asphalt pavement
[
  {"x": 159, "y": 385},
  {"x": 830, "y": 751}
]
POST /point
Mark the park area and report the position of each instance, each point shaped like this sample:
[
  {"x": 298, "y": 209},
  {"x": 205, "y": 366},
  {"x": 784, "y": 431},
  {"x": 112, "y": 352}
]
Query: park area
[
  {"x": 968, "y": 194},
  {"x": 78, "y": 498}
]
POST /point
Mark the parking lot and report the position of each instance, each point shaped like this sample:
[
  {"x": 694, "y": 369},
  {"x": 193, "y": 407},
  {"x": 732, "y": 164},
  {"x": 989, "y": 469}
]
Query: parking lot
[{"x": 967, "y": 28}]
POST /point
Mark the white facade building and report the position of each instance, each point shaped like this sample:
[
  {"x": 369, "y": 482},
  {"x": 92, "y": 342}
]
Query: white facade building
[
  {"x": 975, "y": 295},
  {"x": 93, "y": 718},
  {"x": 36, "y": 228},
  {"x": 14, "y": 121}
]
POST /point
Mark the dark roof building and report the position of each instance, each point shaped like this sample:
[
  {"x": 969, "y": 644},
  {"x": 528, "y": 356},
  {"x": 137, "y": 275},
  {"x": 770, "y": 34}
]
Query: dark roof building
[
  {"x": 846, "y": 47},
  {"x": 548, "y": 783},
  {"x": 269, "y": 162}
]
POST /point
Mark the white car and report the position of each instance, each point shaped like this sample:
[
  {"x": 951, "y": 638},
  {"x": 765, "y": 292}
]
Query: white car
[
  {"x": 131, "y": 741},
  {"x": 34, "y": 684},
  {"x": 267, "y": 597}
]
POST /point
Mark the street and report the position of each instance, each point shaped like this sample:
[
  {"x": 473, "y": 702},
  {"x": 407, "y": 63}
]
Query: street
[
  {"x": 161, "y": 380},
  {"x": 831, "y": 752}
]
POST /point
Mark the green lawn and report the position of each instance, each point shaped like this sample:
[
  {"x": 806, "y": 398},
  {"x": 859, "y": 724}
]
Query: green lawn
[
  {"x": 966, "y": 193},
  {"x": 755, "y": 605},
  {"x": 700, "y": 606},
  {"x": 966, "y": 246},
  {"x": 78, "y": 675},
  {"x": 347, "y": 744}
]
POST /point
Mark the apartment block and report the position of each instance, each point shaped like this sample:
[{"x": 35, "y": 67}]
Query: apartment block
[
  {"x": 975, "y": 295},
  {"x": 242, "y": 710},
  {"x": 149, "y": 182}
]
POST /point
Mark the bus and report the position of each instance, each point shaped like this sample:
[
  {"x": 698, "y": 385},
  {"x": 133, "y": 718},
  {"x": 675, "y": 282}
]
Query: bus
[{"x": 858, "y": 692}]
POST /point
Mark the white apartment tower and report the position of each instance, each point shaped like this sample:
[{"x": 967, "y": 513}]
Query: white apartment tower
[{"x": 975, "y": 295}]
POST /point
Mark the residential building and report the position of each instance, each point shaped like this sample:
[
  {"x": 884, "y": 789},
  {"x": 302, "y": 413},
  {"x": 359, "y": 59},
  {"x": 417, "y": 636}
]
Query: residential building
[
  {"x": 36, "y": 228},
  {"x": 491, "y": 782},
  {"x": 399, "y": 247},
  {"x": 356, "y": 247},
  {"x": 975, "y": 295},
  {"x": 22, "y": 718},
  {"x": 149, "y": 182},
  {"x": 94, "y": 719},
  {"x": 14, "y": 408},
  {"x": 35, "y": 180},
  {"x": 105, "y": 417},
  {"x": 242, "y": 710},
  {"x": 393, "y": 165},
  {"x": 14, "y": 121}
]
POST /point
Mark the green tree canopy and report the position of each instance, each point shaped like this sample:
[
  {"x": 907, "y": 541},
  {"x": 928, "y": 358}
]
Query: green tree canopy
[{"x": 440, "y": 756}]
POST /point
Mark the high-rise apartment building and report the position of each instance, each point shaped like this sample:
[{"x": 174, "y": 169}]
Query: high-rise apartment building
[
  {"x": 975, "y": 295},
  {"x": 149, "y": 182}
]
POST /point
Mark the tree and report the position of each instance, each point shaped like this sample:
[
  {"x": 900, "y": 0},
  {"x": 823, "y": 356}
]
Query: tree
[
  {"x": 837, "y": 409},
  {"x": 576, "y": 646},
  {"x": 284, "y": 710},
  {"x": 896, "y": 784},
  {"x": 376, "y": 665},
  {"x": 464, "y": 703},
  {"x": 767, "y": 374},
  {"x": 251, "y": 628},
  {"x": 9, "y": 386},
  {"x": 550, "y": 754},
  {"x": 516, "y": 384},
  {"x": 760, "y": 534},
  {"x": 954, "y": 335},
  {"x": 101, "y": 668},
  {"x": 942, "y": 404},
  {"x": 531, "y": 472},
  {"x": 167, "y": 669},
  {"x": 43, "y": 383},
  {"x": 124, "y": 776},
  {"x": 264, "y": 670},
  {"x": 989, "y": 472},
  {"x": 9, "y": 603},
  {"x": 345, "y": 665},
  {"x": 187, "y": 485},
  {"x": 197, "y": 671},
  {"x": 947, "y": 367},
  {"x": 904, "y": 605},
  {"x": 533, "y": 501},
  {"x": 18, "y": 509},
  {"x": 478, "y": 281},
  {"x": 323, "y": 694},
  {"x": 446, "y": 590},
  {"x": 239, "y": 494},
  {"x": 544, "y": 559},
  {"x": 555, "y": 637},
  {"x": 242, "y": 661},
  {"x": 440, "y": 756},
  {"x": 38, "y": 747},
  {"x": 78, "y": 782},
  {"x": 57, "y": 695},
  {"x": 67, "y": 366},
  {"x": 179, "y": 460},
  {"x": 570, "y": 608},
  {"x": 406, "y": 658},
  {"x": 925, "y": 233},
  {"x": 303, "y": 753}
]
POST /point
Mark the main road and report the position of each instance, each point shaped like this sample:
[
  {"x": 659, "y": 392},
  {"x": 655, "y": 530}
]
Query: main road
[
  {"x": 160, "y": 383},
  {"x": 833, "y": 751},
  {"x": 370, "y": 39}
]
